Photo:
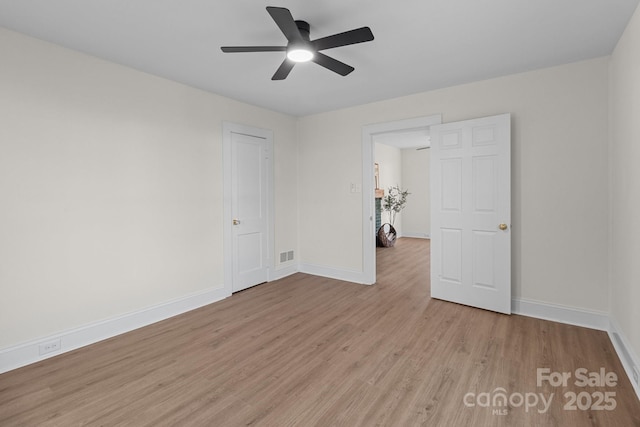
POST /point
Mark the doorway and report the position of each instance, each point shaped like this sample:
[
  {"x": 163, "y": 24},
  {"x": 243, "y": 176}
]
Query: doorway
[
  {"x": 370, "y": 134},
  {"x": 248, "y": 206},
  {"x": 470, "y": 222},
  {"x": 402, "y": 160}
]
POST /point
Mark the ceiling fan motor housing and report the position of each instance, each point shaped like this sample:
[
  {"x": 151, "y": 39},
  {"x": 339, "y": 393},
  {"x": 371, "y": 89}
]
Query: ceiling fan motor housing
[{"x": 304, "y": 27}]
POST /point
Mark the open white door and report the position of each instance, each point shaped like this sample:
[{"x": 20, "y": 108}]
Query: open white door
[
  {"x": 247, "y": 210},
  {"x": 471, "y": 212}
]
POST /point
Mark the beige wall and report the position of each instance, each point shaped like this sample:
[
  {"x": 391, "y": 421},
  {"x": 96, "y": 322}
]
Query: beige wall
[
  {"x": 415, "y": 177},
  {"x": 625, "y": 183},
  {"x": 111, "y": 183},
  {"x": 559, "y": 181},
  {"x": 111, "y": 188}
]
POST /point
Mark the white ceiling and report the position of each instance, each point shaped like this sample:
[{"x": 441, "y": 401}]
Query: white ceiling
[{"x": 419, "y": 45}]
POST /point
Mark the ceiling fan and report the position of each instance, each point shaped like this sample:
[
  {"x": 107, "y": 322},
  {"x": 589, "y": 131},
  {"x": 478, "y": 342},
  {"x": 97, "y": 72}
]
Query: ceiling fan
[{"x": 301, "y": 49}]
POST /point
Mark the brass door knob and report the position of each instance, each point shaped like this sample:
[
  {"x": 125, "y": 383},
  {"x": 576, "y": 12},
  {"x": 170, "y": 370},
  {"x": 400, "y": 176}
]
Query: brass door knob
[
  {"x": 236, "y": 222},
  {"x": 503, "y": 226}
]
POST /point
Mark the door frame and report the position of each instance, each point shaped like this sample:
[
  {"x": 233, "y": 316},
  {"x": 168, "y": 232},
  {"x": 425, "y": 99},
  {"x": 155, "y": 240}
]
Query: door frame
[
  {"x": 368, "y": 184},
  {"x": 229, "y": 128}
]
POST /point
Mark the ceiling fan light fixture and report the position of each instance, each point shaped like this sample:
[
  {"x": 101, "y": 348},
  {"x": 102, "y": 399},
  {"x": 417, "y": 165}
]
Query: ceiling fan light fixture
[{"x": 300, "y": 54}]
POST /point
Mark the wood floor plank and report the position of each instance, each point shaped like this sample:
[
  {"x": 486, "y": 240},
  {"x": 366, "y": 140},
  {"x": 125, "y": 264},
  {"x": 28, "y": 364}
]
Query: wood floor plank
[{"x": 312, "y": 351}]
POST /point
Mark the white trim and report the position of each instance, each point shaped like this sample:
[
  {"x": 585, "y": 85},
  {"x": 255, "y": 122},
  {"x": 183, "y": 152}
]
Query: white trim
[
  {"x": 625, "y": 352},
  {"x": 281, "y": 273},
  {"x": 559, "y": 313},
  {"x": 26, "y": 353},
  {"x": 271, "y": 208},
  {"x": 416, "y": 235},
  {"x": 227, "y": 129},
  {"x": 586, "y": 318},
  {"x": 368, "y": 200},
  {"x": 334, "y": 273},
  {"x": 368, "y": 208}
]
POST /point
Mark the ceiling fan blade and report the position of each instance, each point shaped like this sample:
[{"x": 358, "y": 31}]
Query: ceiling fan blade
[
  {"x": 332, "y": 64},
  {"x": 233, "y": 49},
  {"x": 286, "y": 23},
  {"x": 283, "y": 71},
  {"x": 359, "y": 35}
]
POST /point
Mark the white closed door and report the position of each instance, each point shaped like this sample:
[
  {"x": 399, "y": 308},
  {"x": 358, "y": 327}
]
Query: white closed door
[
  {"x": 249, "y": 210},
  {"x": 471, "y": 212}
]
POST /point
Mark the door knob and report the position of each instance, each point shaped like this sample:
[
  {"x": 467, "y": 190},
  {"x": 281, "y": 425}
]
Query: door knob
[
  {"x": 236, "y": 222},
  {"x": 502, "y": 226}
]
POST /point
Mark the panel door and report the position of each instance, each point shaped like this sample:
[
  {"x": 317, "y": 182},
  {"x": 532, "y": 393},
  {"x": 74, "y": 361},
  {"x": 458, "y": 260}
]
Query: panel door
[
  {"x": 249, "y": 210},
  {"x": 471, "y": 212}
]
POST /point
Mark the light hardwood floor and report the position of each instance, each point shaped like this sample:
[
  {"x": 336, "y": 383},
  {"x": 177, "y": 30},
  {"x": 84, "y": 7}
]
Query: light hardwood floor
[{"x": 309, "y": 351}]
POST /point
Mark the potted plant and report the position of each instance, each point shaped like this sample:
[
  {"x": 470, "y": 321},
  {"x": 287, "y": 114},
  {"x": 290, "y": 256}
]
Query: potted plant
[{"x": 393, "y": 202}]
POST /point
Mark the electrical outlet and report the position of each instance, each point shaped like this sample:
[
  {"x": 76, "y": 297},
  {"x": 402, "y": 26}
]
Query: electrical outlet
[
  {"x": 636, "y": 375},
  {"x": 50, "y": 346}
]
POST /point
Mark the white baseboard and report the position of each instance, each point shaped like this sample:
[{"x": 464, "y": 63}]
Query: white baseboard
[
  {"x": 24, "y": 354},
  {"x": 559, "y": 313},
  {"x": 586, "y": 318},
  {"x": 416, "y": 235},
  {"x": 333, "y": 273},
  {"x": 281, "y": 273},
  {"x": 625, "y": 352}
]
